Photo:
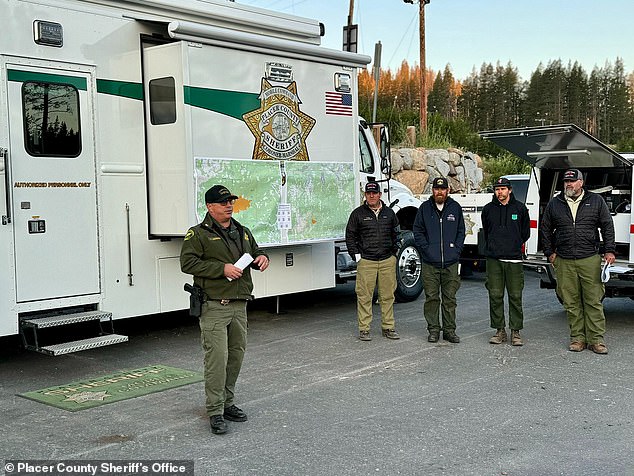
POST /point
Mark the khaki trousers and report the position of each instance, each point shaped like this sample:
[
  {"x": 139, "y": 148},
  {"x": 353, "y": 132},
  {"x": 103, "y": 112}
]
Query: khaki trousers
[
  {"x": 580, "y": 288},
  {"x": 223, "y": 332},
  {"x": 369, "y": 275}
]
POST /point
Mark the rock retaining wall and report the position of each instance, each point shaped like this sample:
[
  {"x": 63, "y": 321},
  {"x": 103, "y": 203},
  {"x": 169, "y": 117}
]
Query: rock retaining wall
[{"x": 417, "y": 168}]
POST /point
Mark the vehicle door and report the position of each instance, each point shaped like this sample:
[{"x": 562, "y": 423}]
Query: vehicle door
[{"x": 53, "y": 199}]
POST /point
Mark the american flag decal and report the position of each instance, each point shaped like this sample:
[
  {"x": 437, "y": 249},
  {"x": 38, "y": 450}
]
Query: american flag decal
[{"x": 338, "y": 104}]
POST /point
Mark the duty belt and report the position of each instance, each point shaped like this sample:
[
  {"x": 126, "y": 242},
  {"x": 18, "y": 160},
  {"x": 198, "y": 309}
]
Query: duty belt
[{"x": 224, "y": 302}]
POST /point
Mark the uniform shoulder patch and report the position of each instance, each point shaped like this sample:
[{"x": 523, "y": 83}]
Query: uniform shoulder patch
[{"x": 189, "y": 234}]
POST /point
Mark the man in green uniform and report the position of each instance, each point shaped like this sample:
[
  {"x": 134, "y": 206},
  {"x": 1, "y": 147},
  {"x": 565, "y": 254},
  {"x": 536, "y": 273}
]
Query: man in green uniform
[{"x": 209, "y": 252}]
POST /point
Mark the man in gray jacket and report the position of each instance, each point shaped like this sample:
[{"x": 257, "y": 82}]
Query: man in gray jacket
[{"x": 570, "y": 235}]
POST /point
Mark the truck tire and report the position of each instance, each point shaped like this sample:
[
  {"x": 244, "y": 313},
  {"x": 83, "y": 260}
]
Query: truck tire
[{"x": 409, "y": 279}]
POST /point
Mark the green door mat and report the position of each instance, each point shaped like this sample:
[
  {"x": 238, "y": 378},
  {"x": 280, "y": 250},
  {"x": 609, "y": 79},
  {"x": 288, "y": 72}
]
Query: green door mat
[{"x": 114, "y": 387}]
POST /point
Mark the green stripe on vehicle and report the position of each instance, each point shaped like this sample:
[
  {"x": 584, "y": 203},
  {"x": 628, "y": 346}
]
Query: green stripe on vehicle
[
  {"x": 31, "y": 76},
  {"x": 124, "y": 89},
  {"x": 230, "y": 103}
]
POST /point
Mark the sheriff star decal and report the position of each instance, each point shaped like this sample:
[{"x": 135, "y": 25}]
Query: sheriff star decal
[{"x": 279, "y": 127}]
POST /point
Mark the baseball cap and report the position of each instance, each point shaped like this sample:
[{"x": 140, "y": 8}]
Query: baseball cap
[
  {"x": 502, "y": 182},
  {"x": 572, "y": 175},
  {"x": 218, "y": 193},
  {"x": 372, "y": 187},
  {"x": 440, "y": 182}
]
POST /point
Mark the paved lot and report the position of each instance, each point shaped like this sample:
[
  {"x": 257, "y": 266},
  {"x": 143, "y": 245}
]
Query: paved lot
[{"x": 320, "y": 402}]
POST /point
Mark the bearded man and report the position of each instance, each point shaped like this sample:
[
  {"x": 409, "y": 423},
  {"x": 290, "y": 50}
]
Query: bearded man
[
  {"x": 439, "y": 231},
  {"x": 570, "y": 237}
]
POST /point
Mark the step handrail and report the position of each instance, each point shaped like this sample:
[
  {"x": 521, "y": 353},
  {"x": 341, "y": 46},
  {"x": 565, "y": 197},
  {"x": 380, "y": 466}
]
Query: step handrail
[{"x": 6, "y": 219}]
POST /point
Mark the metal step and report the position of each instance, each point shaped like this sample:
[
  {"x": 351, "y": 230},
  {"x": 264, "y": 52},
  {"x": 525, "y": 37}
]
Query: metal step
[
  {"x": 63, "y": 319},
  {"x": 84, "y": 344}
]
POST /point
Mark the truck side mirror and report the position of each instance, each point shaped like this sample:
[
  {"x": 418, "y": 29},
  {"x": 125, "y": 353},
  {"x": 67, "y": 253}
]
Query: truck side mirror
[{"x": 384, "y": 147}]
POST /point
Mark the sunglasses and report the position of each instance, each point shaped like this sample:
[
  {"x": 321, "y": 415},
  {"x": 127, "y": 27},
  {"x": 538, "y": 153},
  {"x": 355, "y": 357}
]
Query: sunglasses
[{"x": 224, "y": 203}]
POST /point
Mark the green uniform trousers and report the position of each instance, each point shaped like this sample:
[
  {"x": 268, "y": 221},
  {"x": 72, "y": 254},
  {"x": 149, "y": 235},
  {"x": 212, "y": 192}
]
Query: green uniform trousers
[
  {"x": 439, "y": 282},
  {"x": 224, "y": 338},
  {"x": 501, "y": 275},
  {"x": 580, "y": 288},
  {"x": 371, "y": 274}
]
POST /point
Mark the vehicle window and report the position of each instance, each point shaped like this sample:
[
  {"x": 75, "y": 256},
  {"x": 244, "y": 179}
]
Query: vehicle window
[
  {"x": 367, "y": 164},
  {"x": 51, "y": 119},
  {"x": 520, "y": 189},
  {"x": 162, "y": 101}
]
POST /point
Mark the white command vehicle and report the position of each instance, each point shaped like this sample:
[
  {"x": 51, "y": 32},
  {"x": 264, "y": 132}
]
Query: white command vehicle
[
  {"x": 116, "y": 116},
  {"x": 551, "y": 150}
]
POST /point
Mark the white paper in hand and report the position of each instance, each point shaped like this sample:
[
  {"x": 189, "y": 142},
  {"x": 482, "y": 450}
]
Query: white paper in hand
[
  {"x": 605, "y": 272},
  {"x": 244, "y": 261}
]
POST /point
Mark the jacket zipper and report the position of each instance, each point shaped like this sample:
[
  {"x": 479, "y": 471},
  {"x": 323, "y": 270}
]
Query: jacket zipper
[{"x": 442, "y": 245}]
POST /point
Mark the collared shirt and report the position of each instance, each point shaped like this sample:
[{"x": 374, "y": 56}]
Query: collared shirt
[
  {"x": 573, "y": 203},
  {"x": 378, "y": 210}
]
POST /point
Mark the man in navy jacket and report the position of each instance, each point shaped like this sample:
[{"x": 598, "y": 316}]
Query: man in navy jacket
[
  {"x": 506, "y": 228},
  {"x": 439, "y": 232}
]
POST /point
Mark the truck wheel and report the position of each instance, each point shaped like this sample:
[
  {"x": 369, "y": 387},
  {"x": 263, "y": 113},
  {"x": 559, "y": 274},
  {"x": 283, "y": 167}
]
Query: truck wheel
[{"x": 409, "y": 280}]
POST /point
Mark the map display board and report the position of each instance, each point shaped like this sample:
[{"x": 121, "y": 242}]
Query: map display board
[
  {"x": 321, "y": 195},
  {"x": 257, "y": 185},
  {"x": 318, "y": 196}
]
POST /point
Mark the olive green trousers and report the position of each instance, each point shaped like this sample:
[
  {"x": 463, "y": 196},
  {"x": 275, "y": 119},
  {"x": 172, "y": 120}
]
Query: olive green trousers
[
  {"x": 223, "y": 330},
  {"x": 580, "y": 288},
  {"x": 503, "y": 275},
  {"x": 439, "y": 282}
]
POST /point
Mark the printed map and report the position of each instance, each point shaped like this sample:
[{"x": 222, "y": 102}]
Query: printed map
[
  {"x": 256, "y": 183},
  {"x": 321, "y": 196}
]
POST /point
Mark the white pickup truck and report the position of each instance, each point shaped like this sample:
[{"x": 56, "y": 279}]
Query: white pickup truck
[{"x": 553, "y": 149}]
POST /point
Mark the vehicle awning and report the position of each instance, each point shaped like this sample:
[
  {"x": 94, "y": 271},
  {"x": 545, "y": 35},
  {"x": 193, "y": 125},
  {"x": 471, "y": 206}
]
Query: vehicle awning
[
  {"x": 248, "y": 41},
  {"x": 557, "y": 147}
]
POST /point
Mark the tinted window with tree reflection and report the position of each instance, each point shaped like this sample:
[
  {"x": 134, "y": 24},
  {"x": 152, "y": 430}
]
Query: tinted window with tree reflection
[
  {"x": 51, "y": 119},
  {"x": 163, "y": 101}
]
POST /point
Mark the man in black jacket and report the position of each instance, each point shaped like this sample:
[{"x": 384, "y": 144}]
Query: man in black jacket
[
  {"x": 439, "y": 232},
  {"x": 372, "y": 241},
  {"x": 506, "y": 227},
  {"x": 570, "y": 236}
]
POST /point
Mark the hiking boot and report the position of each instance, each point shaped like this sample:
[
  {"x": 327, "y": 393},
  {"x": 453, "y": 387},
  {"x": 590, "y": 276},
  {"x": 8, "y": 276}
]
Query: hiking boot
[
  {"x": 499, "y": 337},
  {"x": 598, "y": 348},
  {"x": 451, "y": 337},
  {"x": 364, "y": 335},
  {"x": 433, "y": 337},
  {"x": 233, "y": 413},
  {"x": 218, "y": 425},
  {"x": 390, "y": 334},
  {"x": 576, "y": 346},
  {"x": 515, "y": 338}
]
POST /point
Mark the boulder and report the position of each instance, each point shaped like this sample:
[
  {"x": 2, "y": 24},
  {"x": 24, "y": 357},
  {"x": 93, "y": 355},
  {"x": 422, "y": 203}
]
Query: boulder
[
  {"x": 408, "y": 158},
  {"x": 415, "y": 180},
  {"x": 454, "y": 158},
  {"x": 419, "y": 161},
  {"x": 397, "y": 161},
  {"x": 455, "y": 186}
]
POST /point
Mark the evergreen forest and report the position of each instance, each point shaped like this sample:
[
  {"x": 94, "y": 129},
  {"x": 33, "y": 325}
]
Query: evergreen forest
[{"x": 496, "y": 97}]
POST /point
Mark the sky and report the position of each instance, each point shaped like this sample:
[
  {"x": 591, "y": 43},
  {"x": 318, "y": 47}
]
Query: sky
[{"x": 467, "y": 33}]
